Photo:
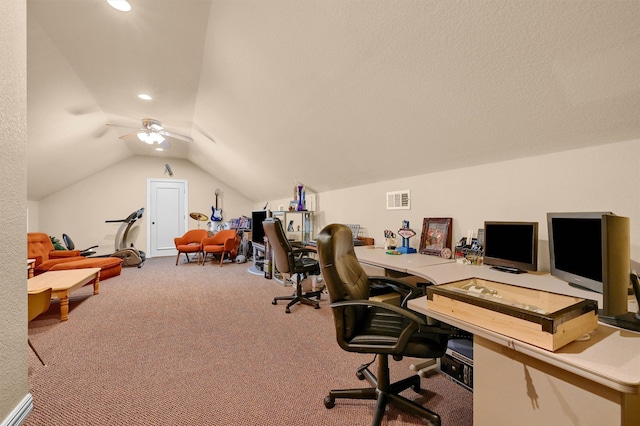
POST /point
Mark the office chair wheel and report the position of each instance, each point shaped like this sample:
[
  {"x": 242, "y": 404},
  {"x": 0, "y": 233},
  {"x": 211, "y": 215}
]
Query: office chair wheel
[
  {"x": 287, "y": 310},
  {"x": 316, "y": 306},
  {"x": 329, "y": 402},
  {"x": 360, "y": 375},
  {"x": 274, "y": 302}
]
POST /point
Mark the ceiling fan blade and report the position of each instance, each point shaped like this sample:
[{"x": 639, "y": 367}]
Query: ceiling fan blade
[
  {"x": 128, "y": 135},
  {"x": 126, "y": 126},
  {"x": 176, "y": 136}
]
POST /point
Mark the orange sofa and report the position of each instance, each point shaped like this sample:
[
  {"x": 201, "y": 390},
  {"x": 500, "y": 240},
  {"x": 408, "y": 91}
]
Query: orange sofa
[{"x": 40, "y": 248}]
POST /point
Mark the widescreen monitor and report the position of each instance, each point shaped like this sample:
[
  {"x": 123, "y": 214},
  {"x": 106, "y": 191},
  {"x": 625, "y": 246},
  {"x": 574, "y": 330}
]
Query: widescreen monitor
[
  {"x": 591, "y": 250},
  {"x": 511, "y": 246}
]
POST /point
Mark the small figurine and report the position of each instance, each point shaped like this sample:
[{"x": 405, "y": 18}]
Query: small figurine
[
  {"x": 390, "y": 242},
  {"x": 405, "y": 232}
]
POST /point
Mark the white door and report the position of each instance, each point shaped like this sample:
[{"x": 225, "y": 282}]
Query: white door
[{"x": 167, "y": 217}]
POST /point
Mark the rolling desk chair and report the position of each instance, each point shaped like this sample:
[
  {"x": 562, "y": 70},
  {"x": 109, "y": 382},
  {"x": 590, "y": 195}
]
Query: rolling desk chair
[
  {"x": 294, "y": 261},
  {"x": 367, "y": 326}
]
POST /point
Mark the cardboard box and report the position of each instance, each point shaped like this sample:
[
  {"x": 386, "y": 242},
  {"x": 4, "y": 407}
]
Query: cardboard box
[{"x": 540, "y": 318}]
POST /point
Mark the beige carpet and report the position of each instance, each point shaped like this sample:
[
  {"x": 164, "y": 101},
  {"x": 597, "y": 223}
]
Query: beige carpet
[{"x": 203, "y": 345}]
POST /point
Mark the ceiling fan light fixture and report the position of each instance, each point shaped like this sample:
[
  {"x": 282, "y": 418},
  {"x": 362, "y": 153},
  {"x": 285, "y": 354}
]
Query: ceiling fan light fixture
[
  {"x": 145, "y": 136},
  {"x": 121, "y": 5},
  {"x": 150, "y": 136},
  {"x": 157, "y": 137}
]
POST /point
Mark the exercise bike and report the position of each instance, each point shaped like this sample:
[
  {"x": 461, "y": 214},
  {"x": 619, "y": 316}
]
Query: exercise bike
[{"x": 131, "y": 256}]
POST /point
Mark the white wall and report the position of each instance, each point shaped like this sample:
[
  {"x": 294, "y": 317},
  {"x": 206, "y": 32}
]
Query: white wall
[
  {"x": 13, "y": 190},
  {"x": 604, "y": 178},
  {"x": 81, "y": 209}
]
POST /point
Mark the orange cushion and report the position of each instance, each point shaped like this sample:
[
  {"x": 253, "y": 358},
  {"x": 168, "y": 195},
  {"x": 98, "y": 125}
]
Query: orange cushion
[
  {"x": 109, "y": 266},
  {"x": 188, "y": 248}
]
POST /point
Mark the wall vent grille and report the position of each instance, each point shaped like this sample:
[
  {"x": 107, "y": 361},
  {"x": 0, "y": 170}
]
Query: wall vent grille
[{"x": 399, "y": 200}]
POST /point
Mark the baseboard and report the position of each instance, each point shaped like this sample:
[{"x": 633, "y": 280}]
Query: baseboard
[{"x": 20, "y": 413}]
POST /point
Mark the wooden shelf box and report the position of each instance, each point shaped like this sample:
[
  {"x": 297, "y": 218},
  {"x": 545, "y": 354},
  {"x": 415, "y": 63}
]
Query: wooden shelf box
[{"x": 540, "y": 318}]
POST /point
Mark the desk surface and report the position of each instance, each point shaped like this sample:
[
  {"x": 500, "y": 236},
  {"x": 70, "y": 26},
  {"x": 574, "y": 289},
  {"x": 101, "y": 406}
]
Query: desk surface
[
  {"x": 377, "y": 256},
  {"x": 450, "y": 272},
  {"x": 611, "y": 357}
]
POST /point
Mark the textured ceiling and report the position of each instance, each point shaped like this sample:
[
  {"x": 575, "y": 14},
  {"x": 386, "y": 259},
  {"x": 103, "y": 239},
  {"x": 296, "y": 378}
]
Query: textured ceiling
[{"x": 335, "y": 93}]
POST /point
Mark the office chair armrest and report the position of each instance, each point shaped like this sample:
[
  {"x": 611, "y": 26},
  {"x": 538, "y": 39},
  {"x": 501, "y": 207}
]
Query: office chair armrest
[
  {"x": 400, "y": 287},
  {"x": 410, "y": 315},
  {"x": 301, "y": 251},
  {"x": 419, "y": 319}
]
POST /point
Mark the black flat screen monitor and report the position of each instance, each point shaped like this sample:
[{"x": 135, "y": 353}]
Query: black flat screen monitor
[
  {"x": 575, "y": 248},
  {"x": 592, "y": 251},
  {"x": 511, "y": 246},
  {"x": 257, "y": 231}
]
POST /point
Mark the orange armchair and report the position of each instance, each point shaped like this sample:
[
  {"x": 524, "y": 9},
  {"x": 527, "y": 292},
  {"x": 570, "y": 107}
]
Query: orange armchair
[
  {"x": 225, "y": 242},
  {"x": 40, "y": 248},
  {"x": 190, "y": 243}
]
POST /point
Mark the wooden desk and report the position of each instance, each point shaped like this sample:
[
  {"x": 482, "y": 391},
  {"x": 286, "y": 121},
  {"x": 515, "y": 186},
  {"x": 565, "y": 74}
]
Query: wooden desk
[{"x": 64, "y": 283}]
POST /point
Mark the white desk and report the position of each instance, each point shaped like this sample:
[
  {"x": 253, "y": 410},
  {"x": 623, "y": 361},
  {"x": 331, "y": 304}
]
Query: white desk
[
  {"x": 377, "y": 256},
  {"x": 595, "y": 382},
  {"x": 450, "y": 272}
]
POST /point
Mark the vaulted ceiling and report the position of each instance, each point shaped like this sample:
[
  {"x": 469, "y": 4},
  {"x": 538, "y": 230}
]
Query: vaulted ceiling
[{"x": 331, "y": 93}]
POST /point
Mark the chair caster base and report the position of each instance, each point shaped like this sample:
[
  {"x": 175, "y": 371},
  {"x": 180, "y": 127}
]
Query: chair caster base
[{"x": 329, "y": 402}]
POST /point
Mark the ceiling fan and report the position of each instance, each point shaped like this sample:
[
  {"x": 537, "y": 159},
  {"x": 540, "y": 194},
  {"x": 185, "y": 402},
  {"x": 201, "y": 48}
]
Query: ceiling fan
[{"x": 152, "y": 133}]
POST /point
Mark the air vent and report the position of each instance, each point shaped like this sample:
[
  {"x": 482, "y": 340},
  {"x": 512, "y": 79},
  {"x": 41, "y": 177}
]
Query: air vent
[{"x": 399, "y": 200}]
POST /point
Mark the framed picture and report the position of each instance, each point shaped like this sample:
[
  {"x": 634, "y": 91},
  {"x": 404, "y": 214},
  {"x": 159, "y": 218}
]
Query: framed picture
[{"x": 436, "y": 235}]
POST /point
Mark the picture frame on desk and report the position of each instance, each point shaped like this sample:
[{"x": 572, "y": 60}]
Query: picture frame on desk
[{"x": 436, "y": 235}]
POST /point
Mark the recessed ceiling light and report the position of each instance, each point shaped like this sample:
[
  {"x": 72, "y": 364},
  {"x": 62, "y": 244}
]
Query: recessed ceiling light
[
  {"x": 159, "y": 149},
  {"x": 145, "y": 97},
  {"x": 121, "y": 5}
]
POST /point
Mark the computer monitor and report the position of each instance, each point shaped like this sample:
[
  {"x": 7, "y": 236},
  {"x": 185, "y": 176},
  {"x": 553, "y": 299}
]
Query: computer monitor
[
  {"x": 591, "y": 250},
  {"x": 257, "y": 231},
  {"x": 511, "y": 246}
]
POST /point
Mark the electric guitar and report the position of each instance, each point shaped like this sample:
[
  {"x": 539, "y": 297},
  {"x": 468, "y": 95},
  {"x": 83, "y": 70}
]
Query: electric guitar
[{"x": 216, "y": 213}]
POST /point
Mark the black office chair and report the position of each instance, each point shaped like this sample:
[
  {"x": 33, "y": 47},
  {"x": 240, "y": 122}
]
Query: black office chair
[
  {"x": 294, "y": 261},
  {"x": 68, "y": 242},
  {"x": 367, "y": 326}
]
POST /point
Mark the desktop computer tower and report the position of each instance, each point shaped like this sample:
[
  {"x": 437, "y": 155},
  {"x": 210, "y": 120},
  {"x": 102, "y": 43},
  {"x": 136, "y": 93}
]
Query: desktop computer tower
[{"x": 457, "y": 362}]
